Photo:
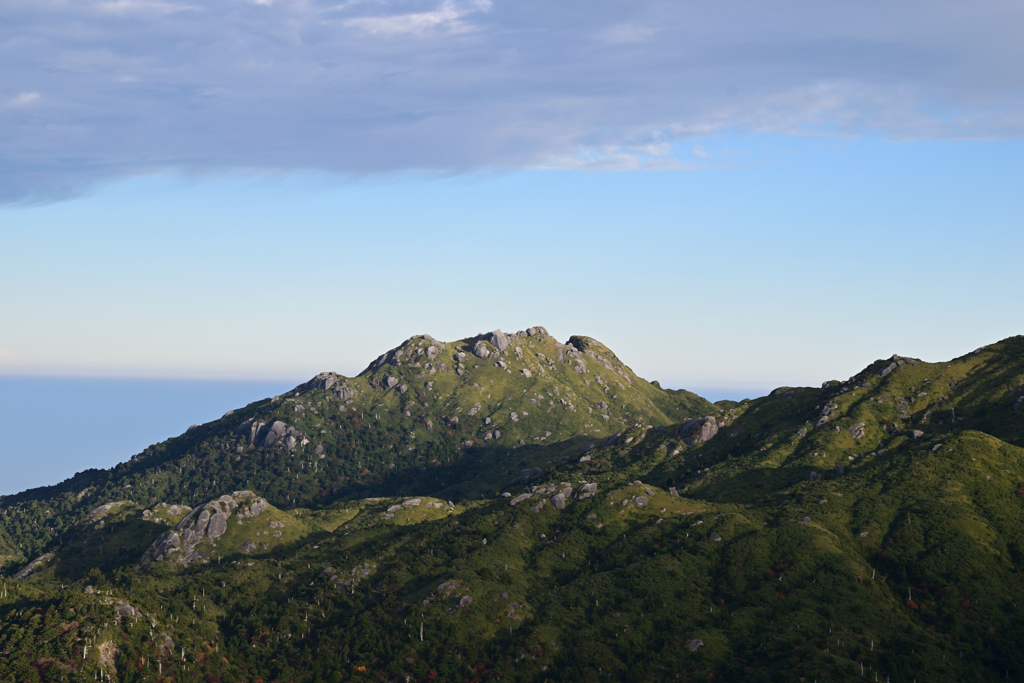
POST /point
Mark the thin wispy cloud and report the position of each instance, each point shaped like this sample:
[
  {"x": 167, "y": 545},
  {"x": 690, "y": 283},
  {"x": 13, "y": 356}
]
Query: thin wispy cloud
[
  {"x": 25, "y": 99},
  {"x": 448, "y": 17},
  {"x": 141, "y": 7},
  {"x": 357, "y": 87}
]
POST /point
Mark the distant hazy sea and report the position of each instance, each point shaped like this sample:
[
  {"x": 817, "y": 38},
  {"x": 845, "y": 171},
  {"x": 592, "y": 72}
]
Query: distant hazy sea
[{"x": 55, "y": 427}]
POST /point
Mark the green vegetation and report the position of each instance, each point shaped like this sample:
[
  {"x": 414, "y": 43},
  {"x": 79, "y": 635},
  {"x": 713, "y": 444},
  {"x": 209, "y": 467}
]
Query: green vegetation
[{"x": 871, "y": 528}]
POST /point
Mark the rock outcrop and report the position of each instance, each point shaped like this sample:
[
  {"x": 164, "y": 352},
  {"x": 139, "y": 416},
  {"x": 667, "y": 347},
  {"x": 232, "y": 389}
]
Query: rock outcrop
[
  {"x": 182, "y": 545},
  {"x": 699, "y": 430},
  {"x": 35, "y": 564}
]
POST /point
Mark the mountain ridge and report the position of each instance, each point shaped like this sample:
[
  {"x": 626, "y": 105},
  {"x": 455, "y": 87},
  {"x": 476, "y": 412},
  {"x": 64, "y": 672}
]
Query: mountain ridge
[{"x": 872, "y": 526}]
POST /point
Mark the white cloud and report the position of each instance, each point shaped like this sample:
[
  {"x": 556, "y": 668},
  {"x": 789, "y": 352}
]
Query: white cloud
[
  {"x": 25, "y": 99},
  {"x": 448, "y": 16},
  {"x": 141, "y": 7},
  {"x": 627, "y": 33},
  {"x": 340, "y": 86}
]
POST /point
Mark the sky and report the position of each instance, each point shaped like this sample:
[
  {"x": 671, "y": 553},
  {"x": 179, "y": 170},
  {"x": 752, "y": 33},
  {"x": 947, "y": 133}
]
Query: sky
[{"x": 732, "y": 196}]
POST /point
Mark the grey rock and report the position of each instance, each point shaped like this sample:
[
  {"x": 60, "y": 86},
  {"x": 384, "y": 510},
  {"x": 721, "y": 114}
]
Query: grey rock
[
  {"x": 480, "y": 350},
  {"x": 695, "y": 644},
  {"x": 290, "y": 442},
  {"x": 258, "y": 506},
  {"x": 466, "y": 601},
  {"x": 805, "y": 520},
  {"x": 432, "y": 352},
  {"x": 715, "y": 537},
  {"x": 586, "y": 491},
  {"x": 699, "y": 430},
  {"x": 35, "y": 564},
  {"x": 888, "y": 369},
  {"x": 857, "y": 430},
  {"x": 519, "y": 499},
  {"x": 672, "y": 491},
  {"x": 641, "y": 501},
  {"x": 390, "y": 381},
  {"x": 916, "y": 433},
  {"x": 218, "y": 525},
  {"x": 412, "y": 502},
  {"x": 319, "y": 449},
  {"x": 838, "y": 471},
  {"x": 528, "y": 374},
  {"x": 499, "y": 340},
  {"x": 126, "y": 610},
  {"x": 199, "y": 525},
  {"x": 345, "y": 393},
  {"x": 558, "y": 501}
]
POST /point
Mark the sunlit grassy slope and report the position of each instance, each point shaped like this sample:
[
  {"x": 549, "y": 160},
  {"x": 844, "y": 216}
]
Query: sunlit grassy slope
[{"x": 884, "y": 541}]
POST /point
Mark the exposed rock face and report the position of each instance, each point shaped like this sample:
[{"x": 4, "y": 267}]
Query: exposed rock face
[
  {"x": 35, "y": 564},
  {"x": 345, "y": 393},
  {"x": 519, "y": 499},
  {"x": 699, "y": 430},
  {"x": 857, "y": 430},
  {"x": 274, "y": 433},
  {"x": 102, "y": 510},
  {"x": 830, "y": 408},
  {"x": 499, "y": 340},
  {"x": 586, "y": 491},
  {"x": 480, "y": 350},
  {"x": 888, "y": 369},
  {"x": 325, "y": 380},
  {"x": 208, "y": 521},
  {"x": 695, "y": 644},
  {"x": 558, "y": 501},
  {"x": 126, "y": 610}
]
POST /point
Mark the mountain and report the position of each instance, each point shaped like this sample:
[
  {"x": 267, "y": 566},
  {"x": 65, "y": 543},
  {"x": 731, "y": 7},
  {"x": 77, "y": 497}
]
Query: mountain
[{"x": 508, "y": 507}]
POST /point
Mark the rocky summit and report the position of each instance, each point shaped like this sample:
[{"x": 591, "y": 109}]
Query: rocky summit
[{"x": 510, "y": 507}]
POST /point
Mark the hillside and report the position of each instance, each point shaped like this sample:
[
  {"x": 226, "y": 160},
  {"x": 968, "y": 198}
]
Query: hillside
[
  {"x": 422, "y": 417},
  {"x": 868, "y": 529}
]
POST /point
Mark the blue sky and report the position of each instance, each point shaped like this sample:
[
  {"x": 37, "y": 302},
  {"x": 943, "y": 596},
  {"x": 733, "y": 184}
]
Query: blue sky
[{"x": 733, "y": 196}]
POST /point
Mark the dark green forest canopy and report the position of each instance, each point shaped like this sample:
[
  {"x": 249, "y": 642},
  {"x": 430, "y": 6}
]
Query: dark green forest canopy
[{"x": 512, "y": 508}]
